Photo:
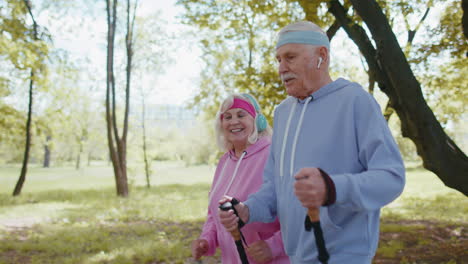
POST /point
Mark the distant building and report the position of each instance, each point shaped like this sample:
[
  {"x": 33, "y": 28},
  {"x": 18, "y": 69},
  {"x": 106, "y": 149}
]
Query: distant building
[{"x": 164, "y": 116}]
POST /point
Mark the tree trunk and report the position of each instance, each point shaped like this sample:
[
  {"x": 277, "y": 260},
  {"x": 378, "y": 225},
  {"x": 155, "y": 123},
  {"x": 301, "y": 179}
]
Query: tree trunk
[
  {"x": 78, "y": 157},
  {"x": 117, "y": 145},
  {"x": 391, "y": 70},
  {"x": 145, "y": 154},
  {"x": 112, "y": 132},
  {"x": 465, "y": 19},
  {"x": 46, "y": 163},
  {"x": 24, "y": 168}
]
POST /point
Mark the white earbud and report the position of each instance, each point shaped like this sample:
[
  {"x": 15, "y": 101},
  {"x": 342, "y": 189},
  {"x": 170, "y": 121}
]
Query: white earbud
[{"x": 319, "y": 63}]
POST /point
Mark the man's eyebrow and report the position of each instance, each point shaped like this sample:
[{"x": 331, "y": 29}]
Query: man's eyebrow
[{"x": 287, "y": 53}]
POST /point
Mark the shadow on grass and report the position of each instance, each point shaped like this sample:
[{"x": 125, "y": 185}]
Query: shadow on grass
[
  {"x": 422, "y": 241},
  {"x": 425, "y": 230},
  {"x": 83, "y": 242}
]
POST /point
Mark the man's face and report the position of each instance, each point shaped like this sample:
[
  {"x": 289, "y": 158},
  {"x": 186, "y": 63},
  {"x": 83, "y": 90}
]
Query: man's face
[{"x": 296, "y": 69}]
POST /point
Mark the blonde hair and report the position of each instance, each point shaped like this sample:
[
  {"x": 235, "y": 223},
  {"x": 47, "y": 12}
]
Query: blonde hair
[{"x": 222, "y": 142}]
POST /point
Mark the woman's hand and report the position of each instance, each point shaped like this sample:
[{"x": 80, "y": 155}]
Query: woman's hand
[
  {"x": 260, "y": 252},
  {"x": 228, "y": 219},
  {"x": 199, "y": 248}
]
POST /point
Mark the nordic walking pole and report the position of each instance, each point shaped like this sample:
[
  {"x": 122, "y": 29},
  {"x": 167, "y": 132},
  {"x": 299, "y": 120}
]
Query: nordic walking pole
[
  {"x": 236, "y": 234},
  {"x": 313, "y": 221}
]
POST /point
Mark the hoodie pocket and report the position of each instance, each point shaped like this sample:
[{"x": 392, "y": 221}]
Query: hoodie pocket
[
  {"x": 326, "y": 221},
  {"x": 344, "y": 231}
]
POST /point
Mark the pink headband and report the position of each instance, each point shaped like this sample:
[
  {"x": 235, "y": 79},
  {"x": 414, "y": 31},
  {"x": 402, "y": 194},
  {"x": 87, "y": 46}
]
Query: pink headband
[{"x": 239, "y": 103}]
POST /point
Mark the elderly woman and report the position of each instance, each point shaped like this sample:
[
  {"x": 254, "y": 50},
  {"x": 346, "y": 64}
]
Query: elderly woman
[{"x": 243, "y": 132}]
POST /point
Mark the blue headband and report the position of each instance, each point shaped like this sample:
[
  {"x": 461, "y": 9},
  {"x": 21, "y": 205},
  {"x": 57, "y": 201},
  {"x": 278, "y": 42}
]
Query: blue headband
[{"x": 303, "y": 37}]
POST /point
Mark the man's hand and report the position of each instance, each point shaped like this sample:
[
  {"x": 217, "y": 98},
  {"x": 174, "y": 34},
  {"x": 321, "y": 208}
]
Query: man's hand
[
  {"x": 260, "y": 251},
  {"x": 199, "y": 248},
  {"x": 228, "y": 219},
  {"x": 310, "y": 188}
]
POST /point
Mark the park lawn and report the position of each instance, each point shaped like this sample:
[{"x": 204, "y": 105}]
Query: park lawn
[
  {"x": 69, "y": 216},
  {"x": 100, "y": 175}
]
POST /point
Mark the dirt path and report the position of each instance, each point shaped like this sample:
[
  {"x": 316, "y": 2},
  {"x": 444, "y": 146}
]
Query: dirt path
[{"x": 19, "y": 223}]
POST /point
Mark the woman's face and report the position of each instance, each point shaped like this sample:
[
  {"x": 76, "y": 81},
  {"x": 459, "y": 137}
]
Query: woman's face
[{"x": 237, "y": 126}]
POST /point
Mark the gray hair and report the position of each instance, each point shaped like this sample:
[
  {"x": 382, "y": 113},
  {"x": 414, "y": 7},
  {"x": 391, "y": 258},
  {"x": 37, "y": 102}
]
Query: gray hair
[
  {"x": 222, "y": 142},
  {"x": 301, "y": 26},
  {"x": 304, "y": 26}
]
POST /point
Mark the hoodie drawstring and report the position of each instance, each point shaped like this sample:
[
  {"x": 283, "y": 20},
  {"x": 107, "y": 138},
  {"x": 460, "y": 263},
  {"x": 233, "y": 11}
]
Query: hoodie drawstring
[
  {"x": 296, "y": 136},
  {"x": 299, "y": 125},
  {"x": 235, "y": 171},
  {"x": 285, "y": 138},
  {"x": 221, "y": 175}
]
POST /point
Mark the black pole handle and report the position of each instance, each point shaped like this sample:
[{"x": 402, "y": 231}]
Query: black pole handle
[
  {"x": 236, "y": 234},
  {"x": 313, "y": 221},
  {"x": 226, "y": 207}
]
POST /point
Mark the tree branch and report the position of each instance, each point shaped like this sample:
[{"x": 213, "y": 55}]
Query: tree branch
[{"x": 439, "y": 153}]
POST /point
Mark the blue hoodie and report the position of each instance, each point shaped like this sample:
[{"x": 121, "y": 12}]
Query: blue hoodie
[{"x": 340, "y": 129}]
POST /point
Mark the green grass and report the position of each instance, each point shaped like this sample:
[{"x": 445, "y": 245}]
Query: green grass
[
  {"x": 93, "y": 226},
  {"x": 425, "y": 197},
  {"x": 69, "y": 216},
  {"x": 100, "y": 176}
]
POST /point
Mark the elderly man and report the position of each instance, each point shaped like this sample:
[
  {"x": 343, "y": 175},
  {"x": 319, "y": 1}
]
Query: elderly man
[{"x": 331, "y": 150}]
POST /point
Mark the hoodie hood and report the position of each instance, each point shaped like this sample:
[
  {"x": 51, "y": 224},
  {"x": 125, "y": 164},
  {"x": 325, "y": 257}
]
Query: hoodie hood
[
  {"x": 258, "y": 146},
  {"x": 330, "y": 88},
  {"x": 317, "y": 95}
]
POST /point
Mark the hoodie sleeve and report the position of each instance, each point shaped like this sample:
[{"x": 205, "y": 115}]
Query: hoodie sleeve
[
  {"x": 383, "y": 177},
  {"x": 262, "y": 204},
  {"x": 209, "y": 234},
  {"x": 209, "y": 231}
]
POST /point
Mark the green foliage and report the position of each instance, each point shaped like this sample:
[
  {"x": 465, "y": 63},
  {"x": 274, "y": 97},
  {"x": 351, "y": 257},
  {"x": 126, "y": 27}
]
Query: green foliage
[
  {"x": 24, "y": 53},
  {"x": 238, "y": 49},
  {"x": 10, "y": 127},
  {"x": 20, "y": 44},
  {"x": 440, "y": 62},
  {"x": 238, "y": 39},
  {"x": 447, "y": 35}
]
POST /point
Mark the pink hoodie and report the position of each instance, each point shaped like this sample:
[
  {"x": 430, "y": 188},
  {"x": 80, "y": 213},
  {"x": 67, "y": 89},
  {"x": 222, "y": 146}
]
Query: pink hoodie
[{"x": 247, "y": 180}]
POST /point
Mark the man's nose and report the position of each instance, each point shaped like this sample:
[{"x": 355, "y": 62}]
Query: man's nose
[{"x": 282, "y": 67}]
